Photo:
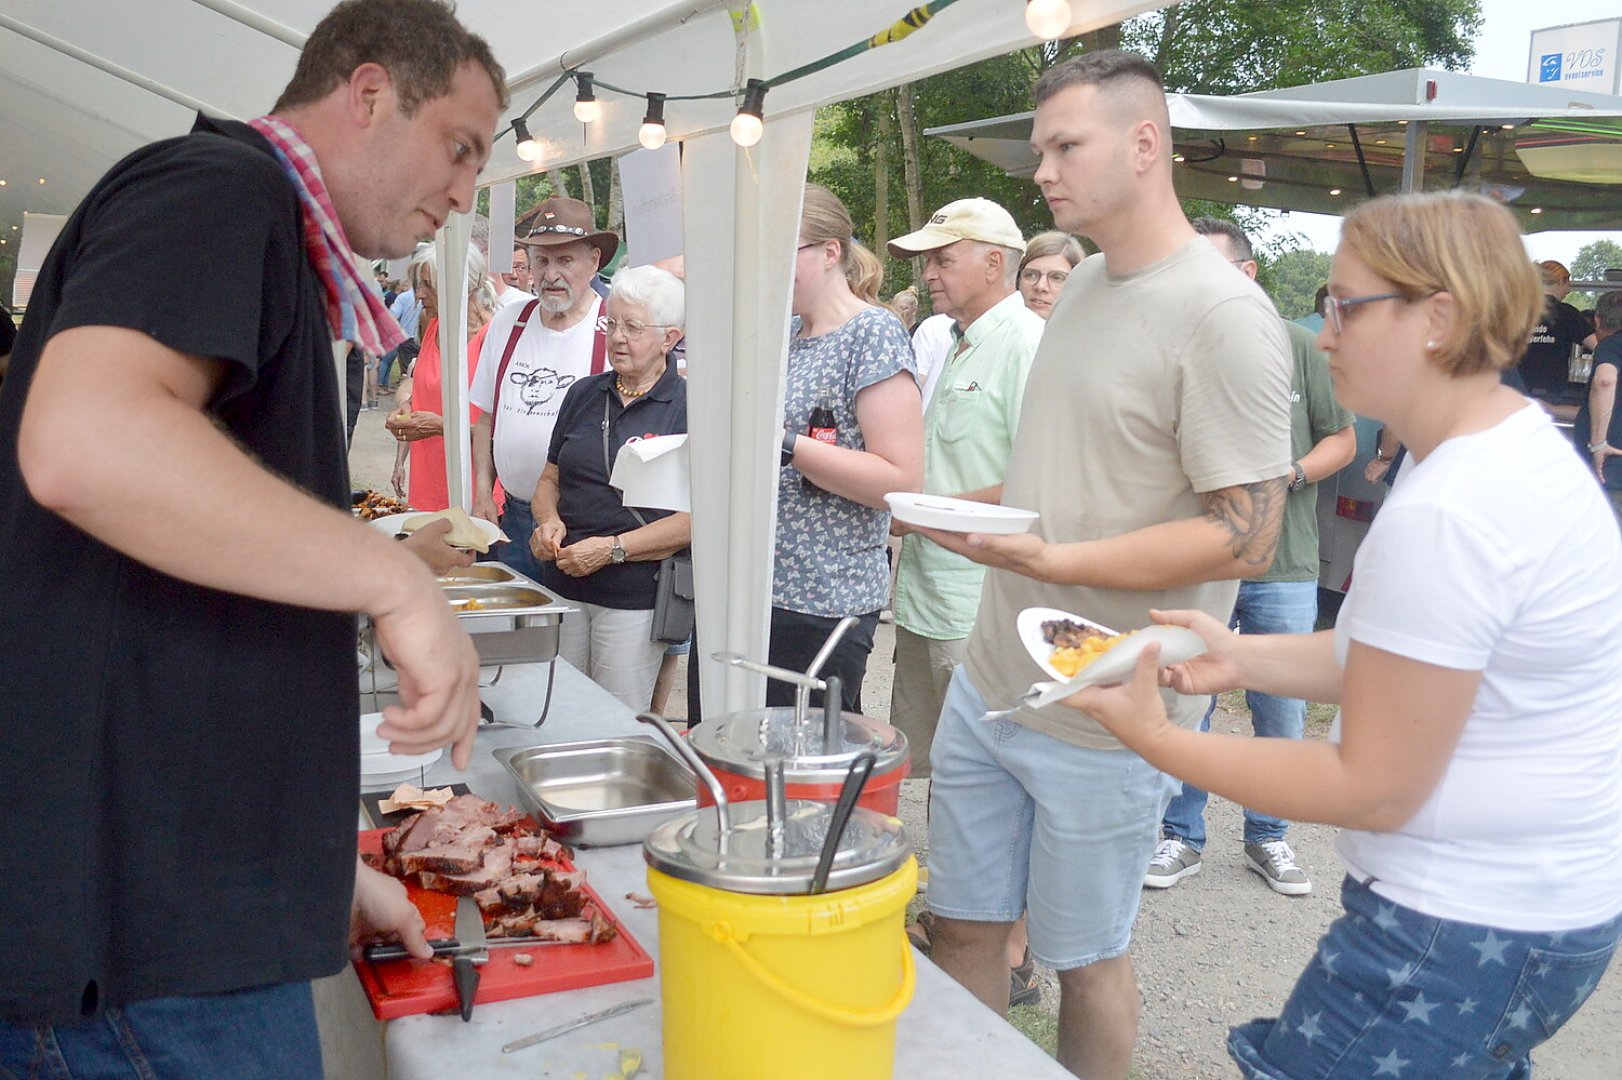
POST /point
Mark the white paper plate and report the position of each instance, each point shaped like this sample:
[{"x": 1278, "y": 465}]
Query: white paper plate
[
  {"x": 1177, "y": 644},
  {"x": 378, "y": 766},
  {"x": 958, "y": 515},
  {"x": 1029, "y": 625},
  {"x": 392, "y": 524}
]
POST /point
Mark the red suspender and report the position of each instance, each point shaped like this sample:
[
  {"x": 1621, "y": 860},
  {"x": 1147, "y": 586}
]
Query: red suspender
[
  {"x": 506, "y": 358},
  {"x": 599, "y": 355},
  {"x": 599, "y": 347}
]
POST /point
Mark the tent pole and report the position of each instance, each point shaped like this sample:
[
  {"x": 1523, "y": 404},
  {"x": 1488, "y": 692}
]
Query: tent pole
[
  {"x": 1413, "y": 158},
  {"x": 451, "y": 286},
  {"x": 255, "y": 21},
  {"x": 589, "y": 51},
  {"x": 1362, "y": 160},
  {"x": 741, "y": 220},
  {"x": 1469, "y": 150},
  {"x": 117, "y": 71}
]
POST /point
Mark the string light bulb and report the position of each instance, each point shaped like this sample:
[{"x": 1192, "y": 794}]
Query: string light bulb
[
  {"x": 652, "y": 133},
  {"x": 528, "y": 148},
  {"x": 586, "y": 107},
  {"x": 749, "y": 124},
  {"x": 1047, "y": 19}
]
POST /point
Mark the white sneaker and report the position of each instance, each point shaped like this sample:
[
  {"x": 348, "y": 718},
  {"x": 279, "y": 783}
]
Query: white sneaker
[
  {"x": 1275, "y": 862},
  {"x": 1173, "y": 861}
]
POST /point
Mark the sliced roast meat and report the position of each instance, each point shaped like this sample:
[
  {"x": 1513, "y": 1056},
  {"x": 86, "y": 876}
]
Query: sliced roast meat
[{"x": 470, "y": 847}]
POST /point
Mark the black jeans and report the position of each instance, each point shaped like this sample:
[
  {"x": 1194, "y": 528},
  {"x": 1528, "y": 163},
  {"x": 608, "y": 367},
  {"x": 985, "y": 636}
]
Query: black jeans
[{"x": 797, "y": 638}]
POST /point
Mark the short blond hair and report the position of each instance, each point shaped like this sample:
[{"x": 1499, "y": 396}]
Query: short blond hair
[{"x": 1467, "y": 246}]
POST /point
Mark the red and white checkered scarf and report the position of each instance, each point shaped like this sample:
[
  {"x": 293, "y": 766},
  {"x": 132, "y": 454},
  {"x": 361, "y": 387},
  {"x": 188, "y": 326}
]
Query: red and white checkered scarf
[{"x": 354, "y": 309}]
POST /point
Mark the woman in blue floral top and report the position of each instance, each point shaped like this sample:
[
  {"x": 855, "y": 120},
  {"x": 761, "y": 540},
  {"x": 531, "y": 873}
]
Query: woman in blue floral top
[{"x": 854, "y": 355}]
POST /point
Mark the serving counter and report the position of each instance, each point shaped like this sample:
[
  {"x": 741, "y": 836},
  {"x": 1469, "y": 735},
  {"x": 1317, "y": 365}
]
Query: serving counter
[{"x": 943, "y": 1033}]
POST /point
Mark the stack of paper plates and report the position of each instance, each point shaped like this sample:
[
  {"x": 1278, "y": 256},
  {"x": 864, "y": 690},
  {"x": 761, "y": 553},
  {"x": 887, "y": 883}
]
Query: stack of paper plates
[{"x": 380, "y": 768}]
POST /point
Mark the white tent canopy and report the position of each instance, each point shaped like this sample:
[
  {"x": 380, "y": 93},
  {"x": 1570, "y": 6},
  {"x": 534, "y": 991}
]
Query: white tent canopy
[
  {"x": 1321, "y": 148},
  {"x": 87, "y": 81}
]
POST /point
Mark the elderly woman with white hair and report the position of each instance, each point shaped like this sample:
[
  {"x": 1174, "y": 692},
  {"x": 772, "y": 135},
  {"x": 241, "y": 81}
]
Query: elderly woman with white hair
[
  {"x": 596, "y": 552},
  {"x": 419, "y": 424}
]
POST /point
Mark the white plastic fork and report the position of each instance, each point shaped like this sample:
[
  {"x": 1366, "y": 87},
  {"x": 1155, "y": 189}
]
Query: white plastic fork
[{"x": 1036, "y": 691}]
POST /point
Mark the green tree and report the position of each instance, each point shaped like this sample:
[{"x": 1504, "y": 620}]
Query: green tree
[
  {"x": 1204, "y": 46},
  {"x": 1236, "y": 46},
  {"x": 846, "y": 150},
  {"x": 1594, "y": 259},
  {"x": 1293, "y": 279}
]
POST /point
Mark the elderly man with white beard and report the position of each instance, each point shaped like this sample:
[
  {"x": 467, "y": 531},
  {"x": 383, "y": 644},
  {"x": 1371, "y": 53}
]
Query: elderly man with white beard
[{"x": 532, "y": 353}]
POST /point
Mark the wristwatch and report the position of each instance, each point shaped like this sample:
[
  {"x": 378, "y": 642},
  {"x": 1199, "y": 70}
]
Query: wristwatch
[
  {"x": 616, "y": 554},
  {"x": 1299, "y": 480},
  {"x": 789, "y": 438}
]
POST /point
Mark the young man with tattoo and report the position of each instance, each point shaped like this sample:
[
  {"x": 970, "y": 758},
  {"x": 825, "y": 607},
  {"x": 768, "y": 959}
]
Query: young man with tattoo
[{"x": 1154, "y": 442}]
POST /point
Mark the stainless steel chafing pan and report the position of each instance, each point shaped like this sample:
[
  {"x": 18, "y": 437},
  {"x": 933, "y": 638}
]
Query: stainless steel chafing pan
[{"x": 603, "y": 791}]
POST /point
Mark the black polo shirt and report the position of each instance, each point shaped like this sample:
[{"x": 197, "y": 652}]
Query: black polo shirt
[
  {"x": 180, "y": 764},
  {"x": 586, "y": 503}
]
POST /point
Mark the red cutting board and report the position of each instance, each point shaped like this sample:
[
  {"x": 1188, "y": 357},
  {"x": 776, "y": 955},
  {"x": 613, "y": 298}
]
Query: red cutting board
[{"x": 407, "y": 987}]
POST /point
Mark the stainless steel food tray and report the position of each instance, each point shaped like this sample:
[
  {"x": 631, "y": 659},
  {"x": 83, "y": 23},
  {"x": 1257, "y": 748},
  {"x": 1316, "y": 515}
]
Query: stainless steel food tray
[
  {"x": 484, "y": 573},
  {"x": 511, "y": 619},
  {"x": 601, "y": 792}
]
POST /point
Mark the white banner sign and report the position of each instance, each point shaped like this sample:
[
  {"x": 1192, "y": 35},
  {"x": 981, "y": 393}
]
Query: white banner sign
[
  {"x": 651, "y": 182},
  {"x": 1582, "y": 56}
]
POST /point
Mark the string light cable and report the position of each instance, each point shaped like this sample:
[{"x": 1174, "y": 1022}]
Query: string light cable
[{"x": 748, "y": 125}]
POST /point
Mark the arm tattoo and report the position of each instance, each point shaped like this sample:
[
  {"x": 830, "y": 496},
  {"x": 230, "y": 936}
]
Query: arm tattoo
[{"x": 1253, "y": 514}]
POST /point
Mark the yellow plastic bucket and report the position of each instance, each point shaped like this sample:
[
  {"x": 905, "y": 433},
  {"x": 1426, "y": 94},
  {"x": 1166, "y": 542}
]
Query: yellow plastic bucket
[{"x": 786, "y": 987}]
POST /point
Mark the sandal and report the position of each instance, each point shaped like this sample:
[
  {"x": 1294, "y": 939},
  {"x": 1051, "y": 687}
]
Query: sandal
[
  {"x": 919, "y": 932},
  {"x": 1024, "y": 987}
]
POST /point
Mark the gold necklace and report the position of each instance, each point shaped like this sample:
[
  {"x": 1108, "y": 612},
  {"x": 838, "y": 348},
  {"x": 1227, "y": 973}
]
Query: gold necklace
[{"x": 626, "y": 391}]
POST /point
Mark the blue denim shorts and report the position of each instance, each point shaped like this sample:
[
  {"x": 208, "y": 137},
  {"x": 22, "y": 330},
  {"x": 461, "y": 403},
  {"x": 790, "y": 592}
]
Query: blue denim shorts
[
  {"x": 1022, "y": 823},
  {"x": 1392, "y": 992},
  {"x": 268, "y": 1033}
]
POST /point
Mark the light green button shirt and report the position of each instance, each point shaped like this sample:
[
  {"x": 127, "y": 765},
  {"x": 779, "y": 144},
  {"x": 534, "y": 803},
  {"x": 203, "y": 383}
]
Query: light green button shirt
[{"x": 969, "y": 429}]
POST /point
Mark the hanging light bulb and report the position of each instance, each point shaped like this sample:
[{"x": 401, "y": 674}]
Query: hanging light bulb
[
  {"x": 1048, "y": 19},
  {"x": 652, "y": 134},
  {"x": 586, "y": 108},
  {"x": 528, "y": 148},
  {"x": 749, "y": 124}
]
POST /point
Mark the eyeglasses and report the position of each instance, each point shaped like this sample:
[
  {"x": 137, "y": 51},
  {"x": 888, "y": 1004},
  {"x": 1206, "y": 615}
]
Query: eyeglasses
[
  {"x": 1335, "y": 307},
  {"x": 1030, "y": 276},
  {"x": 812, "y": 244},
  {"x": 630, "y": 328}
]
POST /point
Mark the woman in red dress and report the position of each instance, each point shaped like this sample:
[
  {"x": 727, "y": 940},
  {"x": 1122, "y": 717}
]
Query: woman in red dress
[{"x": 419, "y": 425}]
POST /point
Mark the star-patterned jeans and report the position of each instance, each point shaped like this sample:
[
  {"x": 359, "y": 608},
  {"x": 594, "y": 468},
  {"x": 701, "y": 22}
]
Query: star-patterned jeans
[{"x": 1392, "y": 992}]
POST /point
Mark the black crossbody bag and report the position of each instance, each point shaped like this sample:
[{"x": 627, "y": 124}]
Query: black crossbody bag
[{"x": 673, "y": 583}]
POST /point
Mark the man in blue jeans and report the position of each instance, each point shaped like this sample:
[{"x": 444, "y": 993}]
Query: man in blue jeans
[{"x": 1282, "y": 601}]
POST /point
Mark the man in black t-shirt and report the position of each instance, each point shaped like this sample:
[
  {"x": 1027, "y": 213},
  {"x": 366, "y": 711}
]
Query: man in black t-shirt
[
  {"x": 1597, "y": 431},
  {"x": 1545, "y": 366},
  {"x": 181, "y": 573}
]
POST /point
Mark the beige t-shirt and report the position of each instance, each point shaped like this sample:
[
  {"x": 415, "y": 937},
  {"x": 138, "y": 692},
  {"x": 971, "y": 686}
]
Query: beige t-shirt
[{"x": 1148, "y": 389}]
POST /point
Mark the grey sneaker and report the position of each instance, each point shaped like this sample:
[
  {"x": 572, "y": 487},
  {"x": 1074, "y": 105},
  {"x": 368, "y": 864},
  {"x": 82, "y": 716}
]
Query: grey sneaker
[
  {"x": 1174, "y": 860},
  {"x": 1275, "y": 862}
]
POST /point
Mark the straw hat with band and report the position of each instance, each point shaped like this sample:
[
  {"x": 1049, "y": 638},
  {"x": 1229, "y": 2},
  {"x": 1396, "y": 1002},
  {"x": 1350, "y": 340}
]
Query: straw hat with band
[{"x": 565, "y": 221}]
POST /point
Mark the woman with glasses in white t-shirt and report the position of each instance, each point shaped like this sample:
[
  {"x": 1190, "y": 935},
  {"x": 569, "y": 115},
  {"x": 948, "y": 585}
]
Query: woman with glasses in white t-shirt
[{"x": 1476, "y": 767}]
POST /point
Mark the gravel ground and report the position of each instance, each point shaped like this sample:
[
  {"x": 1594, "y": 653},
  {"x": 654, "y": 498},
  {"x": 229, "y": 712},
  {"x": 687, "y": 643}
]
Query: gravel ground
[{"x": 1219, "y": 948}]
